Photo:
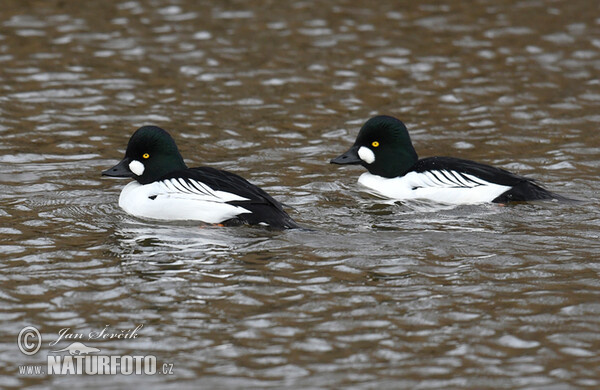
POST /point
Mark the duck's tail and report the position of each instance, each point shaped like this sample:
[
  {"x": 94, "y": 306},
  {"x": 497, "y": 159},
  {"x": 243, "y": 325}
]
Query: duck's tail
[
  {"x": 264, "y": 214},
  {"x": 528, "y": 190}
]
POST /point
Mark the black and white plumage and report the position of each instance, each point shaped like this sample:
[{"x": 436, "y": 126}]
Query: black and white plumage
[
  {"x": 166, "y": 189},
  {"x": 383, "y": 146}
]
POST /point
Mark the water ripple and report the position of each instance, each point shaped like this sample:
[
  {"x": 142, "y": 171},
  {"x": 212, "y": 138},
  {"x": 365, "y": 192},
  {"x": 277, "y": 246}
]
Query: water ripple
[{"x": 417, "y": 295}]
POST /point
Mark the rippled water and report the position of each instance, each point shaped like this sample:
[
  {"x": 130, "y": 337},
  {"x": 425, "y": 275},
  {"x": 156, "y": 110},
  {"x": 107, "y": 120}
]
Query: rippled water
[{"x": 377, "y": 294}]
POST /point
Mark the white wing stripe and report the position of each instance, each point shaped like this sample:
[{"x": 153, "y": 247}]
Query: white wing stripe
[
  {"x": 461, "y": 179},
  {"x": 185, "y": 185},
  {"x": 450, "y": 177},
  {"x": 425, "y": 180},
  {"x": 475, "y": 179},
  {"x": 440, "y": 179},
  {"x": 205, "y": 188},
  {"x": 178, "y": 186},
  {"x": 470, "y": 181},
  {"x": 194, "y": 190},
  {"x": 433, "y": 180},
  {"x": 200, "y": 187},
  {"x": 191, "y": 186},
  {"x": 437, "y": 178},
  {"x": 169, "y": 185}
]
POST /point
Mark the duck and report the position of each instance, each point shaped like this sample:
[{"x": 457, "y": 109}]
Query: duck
[
  {"x": 394, "y": 171},
  {"x": 164, "y": 188}
]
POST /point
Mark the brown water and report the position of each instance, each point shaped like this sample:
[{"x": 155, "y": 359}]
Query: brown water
[{"x": 379, "y": 295}]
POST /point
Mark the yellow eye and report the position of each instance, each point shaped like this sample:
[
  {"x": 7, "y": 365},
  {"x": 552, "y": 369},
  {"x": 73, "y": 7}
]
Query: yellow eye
[
  {"x": 145, "y": 155},
  {"x": 375, "y": 144}
]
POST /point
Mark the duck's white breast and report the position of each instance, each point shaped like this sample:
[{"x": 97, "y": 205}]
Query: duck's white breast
[{"x": 173, "y": 200}]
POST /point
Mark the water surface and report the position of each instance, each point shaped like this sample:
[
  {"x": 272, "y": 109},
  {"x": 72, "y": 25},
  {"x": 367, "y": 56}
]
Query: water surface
[{"x": 377, "y": 294}]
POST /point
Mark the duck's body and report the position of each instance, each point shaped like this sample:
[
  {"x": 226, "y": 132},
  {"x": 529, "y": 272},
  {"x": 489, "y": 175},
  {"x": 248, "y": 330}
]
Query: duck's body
[
  {"x": 166, "y": 189},
  {"x": 383, "y": 146},
  {"x": 454, "y": 181}
]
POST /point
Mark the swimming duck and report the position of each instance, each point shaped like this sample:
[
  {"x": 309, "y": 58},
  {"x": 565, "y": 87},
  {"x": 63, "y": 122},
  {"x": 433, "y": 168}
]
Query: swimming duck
[
  {"x": 166, "y": 189},
  {"x": 384, "y": 148}
]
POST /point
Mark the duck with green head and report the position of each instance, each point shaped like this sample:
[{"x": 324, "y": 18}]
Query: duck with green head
[
  {"x": 164, "y": 188},
  {"x": 384, "y": 148}
]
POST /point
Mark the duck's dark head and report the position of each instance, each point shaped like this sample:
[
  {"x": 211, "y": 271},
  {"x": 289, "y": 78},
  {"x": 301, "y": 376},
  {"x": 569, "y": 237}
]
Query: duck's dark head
[
  {"x": 382, "y": 146},
  {"x": 151, "y": 154}
]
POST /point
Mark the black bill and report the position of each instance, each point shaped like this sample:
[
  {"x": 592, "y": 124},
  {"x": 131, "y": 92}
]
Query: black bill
[
  {"x": 350, "y": 157},
  {"x": 119, "y": 170}
]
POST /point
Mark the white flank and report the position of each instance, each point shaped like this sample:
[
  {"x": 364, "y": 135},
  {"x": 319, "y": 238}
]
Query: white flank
[
  {"x": 366, "y": 155},
  {"x": 177, "y": 199},
  {"x": 439, "y": 186},
  {"x": 137, "y": 167}
]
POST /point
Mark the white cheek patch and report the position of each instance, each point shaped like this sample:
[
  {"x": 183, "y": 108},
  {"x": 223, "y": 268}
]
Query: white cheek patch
[
  {"x": 366, "y": 155},
  {"x": 137, "y": 167}
]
